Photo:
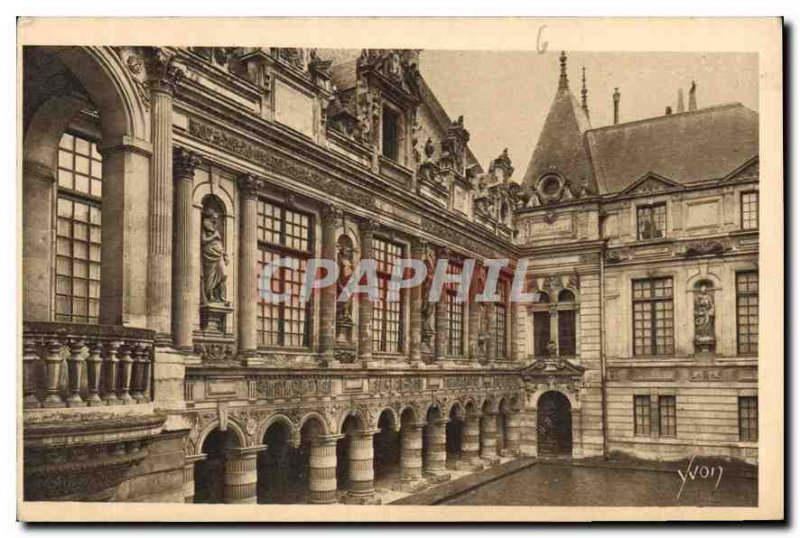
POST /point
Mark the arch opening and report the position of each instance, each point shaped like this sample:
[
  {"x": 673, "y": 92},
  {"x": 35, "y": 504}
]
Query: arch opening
[
  {"x": 386, "y": 445},
  {"x": 454, "y": 433},
  {"x": 282, "y": 469},
  {"x": 209, "y": 474},
  {"x": 554, "y": 425}
]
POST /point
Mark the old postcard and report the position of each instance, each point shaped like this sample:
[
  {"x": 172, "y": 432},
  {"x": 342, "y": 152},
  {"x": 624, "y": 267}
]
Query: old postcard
[{"x": 400, "y": 270}]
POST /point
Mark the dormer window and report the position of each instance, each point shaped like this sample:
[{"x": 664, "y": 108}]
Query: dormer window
[
  {"x": 651, "y": 221},
  {"x": 391, "y": 134}
]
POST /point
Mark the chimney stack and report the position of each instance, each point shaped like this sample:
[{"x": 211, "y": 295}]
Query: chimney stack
[
  {"x": 680, "y": 101},
  {"x": 668, "y": 111},
  {"x": 693, "y": 97},
  {"x": 563, "y": 84},
  {"x": 616, "y": 106}
]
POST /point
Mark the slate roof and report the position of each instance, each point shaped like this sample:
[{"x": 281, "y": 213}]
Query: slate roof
[
  {"x": 688, "y": 147},
  {"x": 560, "y": 147}
]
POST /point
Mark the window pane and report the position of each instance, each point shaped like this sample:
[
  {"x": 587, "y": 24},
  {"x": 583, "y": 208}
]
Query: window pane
[
  {"x": 641, "y": 415},
  {"x": 667, "y": 416},
  {"x": 748, "y": 418},
  {"x": 653, "y": 317},
  {"x": 747, "y": 312}
]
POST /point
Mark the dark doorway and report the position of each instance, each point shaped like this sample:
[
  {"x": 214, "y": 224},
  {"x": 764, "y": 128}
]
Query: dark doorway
[
  {"x": 454, "y": 432},
  {"x": 386, "y": 447},
  {"x": 281, "y": 468},
  {"x": 554, "y": 425},
  {"x": 209, "y": 474}
]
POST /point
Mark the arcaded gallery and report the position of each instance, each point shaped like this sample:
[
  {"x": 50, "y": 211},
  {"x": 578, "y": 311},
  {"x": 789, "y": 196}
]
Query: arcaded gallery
[{"x": 159, "y": 184}]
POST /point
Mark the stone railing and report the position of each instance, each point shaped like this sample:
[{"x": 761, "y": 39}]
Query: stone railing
[{"x": 75, "y": 365}]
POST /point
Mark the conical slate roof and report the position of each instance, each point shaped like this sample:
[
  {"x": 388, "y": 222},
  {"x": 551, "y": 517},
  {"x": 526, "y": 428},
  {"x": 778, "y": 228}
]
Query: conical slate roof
[{"x": 560, "y": 148}]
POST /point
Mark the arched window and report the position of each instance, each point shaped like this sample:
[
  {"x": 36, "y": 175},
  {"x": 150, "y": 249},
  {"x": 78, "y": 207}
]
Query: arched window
[
  {"x": 541, "y": 325},
  {"x": 78, "y": 229}
]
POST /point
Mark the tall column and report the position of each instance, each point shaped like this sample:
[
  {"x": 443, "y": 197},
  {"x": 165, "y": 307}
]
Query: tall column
[
  {"x": 436, "y": 453},
  {"x": 411, "y": 452},
  {"x": 470, "y": 439},
  {"x": 327, "y": 300},
  {"x": 361, "y": 468},
  {"x": 440, "y": 313},
  {"x": 248, "y": 263},
  {"x": 241, "y": 475},
  {"x": 322, "y": 470},
  {"x": 513, "y": 421},
  {"x": 183, "y": 277},
  {"x": 366, "y": 230},
  {"x": 163, "y": 77},
  {"x": 188, "y": 476},
  {"x": 418, "y": 249},
  {"x": 489, "y": 436}
]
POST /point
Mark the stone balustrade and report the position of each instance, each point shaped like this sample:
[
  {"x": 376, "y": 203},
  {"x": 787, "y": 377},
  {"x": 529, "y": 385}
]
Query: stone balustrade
[{"x": 78, "y": 365}]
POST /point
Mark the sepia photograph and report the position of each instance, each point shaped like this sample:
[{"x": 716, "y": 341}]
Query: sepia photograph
[{"x": 383, "y": 278}]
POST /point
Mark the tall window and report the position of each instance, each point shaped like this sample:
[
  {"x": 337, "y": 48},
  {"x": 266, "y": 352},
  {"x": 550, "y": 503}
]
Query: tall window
[
  {"x": 652, "y": 316},
  {"x": 455, "y": 313},
  {"x": 391, "y": 134},
  {"x": 284, "y": 233},
  {"x": 566, "y": 323},
  {"x": 748, "y": 418},
  {"x": 666, "y": 416},
  {"x": 386, "y": 316},
  {"x": 747, "y": 312},
  {"x": 500, "y": 320},
  {"x": 541, "y": 325},
  {"x": 78, "y": 222},
  {"x": 749, "y": 210},
  {"x": 641, "y": 415},
  {"x": 651, "y": 221}
]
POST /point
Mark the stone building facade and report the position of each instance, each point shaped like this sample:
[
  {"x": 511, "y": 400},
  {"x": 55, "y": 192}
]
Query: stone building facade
[{"x": 159, "y": 182}]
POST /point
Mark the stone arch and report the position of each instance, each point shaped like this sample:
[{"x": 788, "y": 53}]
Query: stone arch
[
  {"x": 470, "y": 405},
  {"x": 533, "y": 399},
  {"x": 435, "y": 407},
  {"x": 272, "y": 419},
  {"x": 489, "y": 404},
  {"x": 363, "y": 421},
  {"x": 109, "y": 83},
  {"x": 693, "y": 281},
  {"x": 315, "y": 416},
  {"x": 214, "y": 425},
  {"x": 394, "y": 417},
  {"x": 414, "y": 409},
  {"x": 455, "y": 406}
]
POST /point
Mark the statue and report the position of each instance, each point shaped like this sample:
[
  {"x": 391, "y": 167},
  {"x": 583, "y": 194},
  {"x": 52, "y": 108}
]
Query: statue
[
  {"x": 704, "y": 313},
  {"x": 345, "y": 260},
  {"x": 214, "y": 259}
]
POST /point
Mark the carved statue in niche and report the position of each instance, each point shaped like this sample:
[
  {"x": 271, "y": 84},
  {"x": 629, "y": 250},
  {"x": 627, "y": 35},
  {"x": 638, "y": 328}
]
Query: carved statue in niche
[
  {"x": 214, "y": 258},
  {"x": 704, "y": 313},
  {"x": 427, "y": 306},
  {"x": 344, "y": 311}
]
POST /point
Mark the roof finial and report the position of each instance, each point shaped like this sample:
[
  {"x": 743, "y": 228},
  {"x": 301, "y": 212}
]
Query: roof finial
[
  {"x": 584, "y": 92},
  {"x": 616, "y": 96},
  {"x": 693, "y": 97},
  {"x": 562, "y": 79}
]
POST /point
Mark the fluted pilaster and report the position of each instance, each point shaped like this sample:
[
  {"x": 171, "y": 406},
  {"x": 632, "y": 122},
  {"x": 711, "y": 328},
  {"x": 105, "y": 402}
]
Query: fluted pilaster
[
  {"x": 184, "y": 267},
  {"x": 248, "y": 263},
  {"x": 327, "y": 307},
  {"x": 366, "y": 231},
  {"x": 418, "y": 250},
  {"x": 163, "y": 77}
]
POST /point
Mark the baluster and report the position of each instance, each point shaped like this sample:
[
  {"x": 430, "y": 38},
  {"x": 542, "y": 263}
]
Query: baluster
[
  {"x": 53, "y": 363},
  {"x": 95, "y": 363},
  {"x": 138, "y": 368},
  {"x": 111, "y": 368},
  {"x": 29, "y": 361},
  {"x": 146, "y": 367},
  {"x": 127, "y": 370},
  {"x": 74, "y": 370}
]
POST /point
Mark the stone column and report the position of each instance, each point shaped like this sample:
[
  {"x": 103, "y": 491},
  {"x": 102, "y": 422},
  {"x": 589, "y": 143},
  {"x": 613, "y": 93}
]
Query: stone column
[
  {"x": 361, "y": 468},
  {"x": 418, "y": 249},
  {"x": 513, "y": 421},
  {"x": 248, "y": 263},
  {"x": 366, "y": 230},
  {"x": 183, "y": 265},
  {"x": 327, "y": 300},
  {"x": 411, "y": 453},
  {"x": 440, "y": 317},
  {"x": 489, "y": 436},
  {"x": 470, "y": 439},
  {"x": 322, "y": 470},
  {"x": 241, "y": 475},
  {"x": 163, "y": 77},
  {"x": 188, "y": 476},
  {"x": 436, "y": 453}
]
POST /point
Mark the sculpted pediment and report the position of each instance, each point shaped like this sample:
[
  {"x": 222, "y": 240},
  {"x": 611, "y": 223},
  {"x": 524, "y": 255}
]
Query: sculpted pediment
[{"x": 652, "y": 182}]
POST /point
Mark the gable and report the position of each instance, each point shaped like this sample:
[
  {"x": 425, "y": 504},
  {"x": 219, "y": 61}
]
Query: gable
[{"x": 650, "y": 183}]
